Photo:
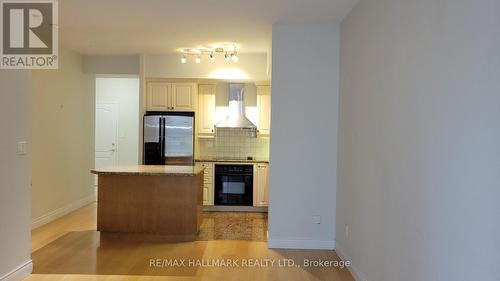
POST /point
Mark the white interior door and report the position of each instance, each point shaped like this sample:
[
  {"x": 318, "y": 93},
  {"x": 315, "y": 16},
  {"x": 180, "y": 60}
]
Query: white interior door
[{"x": 106, "y": 132}]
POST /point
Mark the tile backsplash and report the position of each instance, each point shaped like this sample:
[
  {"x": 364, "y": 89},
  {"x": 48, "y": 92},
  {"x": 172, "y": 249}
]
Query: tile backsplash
[{"x": 234, "y": 143}]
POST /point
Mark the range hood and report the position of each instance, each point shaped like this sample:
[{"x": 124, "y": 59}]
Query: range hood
[{"x": 236, "y": 111}]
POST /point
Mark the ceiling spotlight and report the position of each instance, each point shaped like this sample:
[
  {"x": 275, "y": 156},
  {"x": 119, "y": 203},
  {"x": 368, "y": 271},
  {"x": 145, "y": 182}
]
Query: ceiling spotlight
[
  {"x": 212, "y": 57},
  {"x": 198, "y": 59},
  {"x": 235, "y": 58},
  {"x": 226, "y": 57},
  {"x": 183, "y": 59}
]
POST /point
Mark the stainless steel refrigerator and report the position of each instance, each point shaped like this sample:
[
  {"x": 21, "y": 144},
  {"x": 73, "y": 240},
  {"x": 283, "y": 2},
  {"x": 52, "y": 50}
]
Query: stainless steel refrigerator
[{"x": 169, "y": 138}]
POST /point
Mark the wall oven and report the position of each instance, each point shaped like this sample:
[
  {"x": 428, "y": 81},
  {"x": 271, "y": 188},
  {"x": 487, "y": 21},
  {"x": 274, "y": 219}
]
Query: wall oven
[{"x": 233, "y": 185}]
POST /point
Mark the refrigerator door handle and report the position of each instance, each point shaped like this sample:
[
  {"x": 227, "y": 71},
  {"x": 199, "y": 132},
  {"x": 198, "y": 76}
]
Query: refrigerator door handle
[{"x": 162, "y": 139}]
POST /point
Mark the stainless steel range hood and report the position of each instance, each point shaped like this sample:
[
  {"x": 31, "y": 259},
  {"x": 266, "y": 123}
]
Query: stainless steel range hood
[{"x": 236, "y": 111}]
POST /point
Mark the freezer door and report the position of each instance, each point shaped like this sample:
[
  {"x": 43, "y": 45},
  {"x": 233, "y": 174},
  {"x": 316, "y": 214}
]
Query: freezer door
[
  {"x": 153, "y": 140},
  {"x": 179, "y": 140},
  {"x": 152, "y": 131}
]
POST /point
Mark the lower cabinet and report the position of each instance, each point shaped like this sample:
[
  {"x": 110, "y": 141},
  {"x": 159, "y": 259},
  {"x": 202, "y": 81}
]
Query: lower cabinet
[
  {"x": 208, "y": 183},
  {"x": 261, "y": 185}
]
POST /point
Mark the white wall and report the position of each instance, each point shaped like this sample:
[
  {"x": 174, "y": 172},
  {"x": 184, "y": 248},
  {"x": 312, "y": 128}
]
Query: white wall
[
  {"x": 419, "y": 147},
  {"x": 251, "y": 67},
  {"x": 15, "y": 174},
  {"x": 304, "y": 141},
  {"x": 63, "y": 138},
  {"x": 109, "y": 64},
  {"x": 125, "y": 93}
]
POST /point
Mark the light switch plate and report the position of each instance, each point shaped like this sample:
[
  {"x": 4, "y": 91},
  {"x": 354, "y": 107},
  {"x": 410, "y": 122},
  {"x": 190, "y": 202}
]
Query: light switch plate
[
  {"x": 22, "y": 148},
  {"x": 317, "y": 219}
]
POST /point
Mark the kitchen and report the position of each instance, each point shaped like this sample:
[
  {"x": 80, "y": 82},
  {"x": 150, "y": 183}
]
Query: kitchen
[
  {"x": 217, "y": 201},
  {"x": 222, "y": 128},
  {"x": 384, "y": 145}
]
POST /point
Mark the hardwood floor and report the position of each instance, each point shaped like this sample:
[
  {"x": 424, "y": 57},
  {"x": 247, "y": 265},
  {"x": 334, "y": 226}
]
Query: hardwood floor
[{"x": 70, "y": 249}]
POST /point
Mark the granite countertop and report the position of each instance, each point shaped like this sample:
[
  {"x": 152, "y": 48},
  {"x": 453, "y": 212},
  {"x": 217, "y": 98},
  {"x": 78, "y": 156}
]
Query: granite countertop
[
  {"x": 150, "y": 170},
  {"x": 215, "y": 159}
]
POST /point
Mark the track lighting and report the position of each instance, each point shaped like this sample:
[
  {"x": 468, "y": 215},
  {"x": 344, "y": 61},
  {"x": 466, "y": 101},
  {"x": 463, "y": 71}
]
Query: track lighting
[{"x": 228, "y": 51}]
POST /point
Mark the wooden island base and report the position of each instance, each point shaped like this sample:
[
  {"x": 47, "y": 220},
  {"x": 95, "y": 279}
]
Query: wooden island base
[{"x": 149, "y": 206}]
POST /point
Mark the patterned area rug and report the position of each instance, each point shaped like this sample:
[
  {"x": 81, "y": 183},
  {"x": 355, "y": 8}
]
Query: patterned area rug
[{"x": 233, "y": 226}]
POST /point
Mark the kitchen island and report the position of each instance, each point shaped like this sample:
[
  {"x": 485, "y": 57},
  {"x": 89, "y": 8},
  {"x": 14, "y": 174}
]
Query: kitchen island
[{"x": 161, "y": 203}]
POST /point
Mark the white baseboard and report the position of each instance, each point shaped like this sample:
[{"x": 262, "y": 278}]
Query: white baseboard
[
  {"x": 301, "y": 244},
  {"x": 53, "y": 215},
  {"x": 19, "y": 273},
  {"x": 356, "y": 274}
]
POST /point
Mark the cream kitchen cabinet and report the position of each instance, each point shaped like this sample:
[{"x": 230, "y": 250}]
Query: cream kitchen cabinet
[
  {"x": 208, "y": 183},
  {"x": 264, "y": 109},
  {"x": 206, "y": 110},
  {"x": 164, "y": 96},
  {"x": 158, "y": 96},
  {"x": 183, "y": 96},
  {"x": 261, "y": 185}
]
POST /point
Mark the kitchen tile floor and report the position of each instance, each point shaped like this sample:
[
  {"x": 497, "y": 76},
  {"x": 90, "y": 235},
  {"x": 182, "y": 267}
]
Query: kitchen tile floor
[{"x": 233, "y": 226}]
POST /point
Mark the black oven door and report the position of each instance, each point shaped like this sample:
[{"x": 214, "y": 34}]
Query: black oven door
[{"x": 233, "y": 185}]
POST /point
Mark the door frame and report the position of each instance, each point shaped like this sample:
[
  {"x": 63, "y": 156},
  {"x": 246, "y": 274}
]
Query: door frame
[{"x": 141, "y": 104}]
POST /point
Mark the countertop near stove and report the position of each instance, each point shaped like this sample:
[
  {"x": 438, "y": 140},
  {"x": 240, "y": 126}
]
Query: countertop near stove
[{"x": 213, "y": 159}]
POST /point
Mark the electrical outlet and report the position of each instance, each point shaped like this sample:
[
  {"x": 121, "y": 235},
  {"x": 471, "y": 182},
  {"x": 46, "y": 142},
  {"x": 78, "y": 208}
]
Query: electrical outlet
[
  {"x": 21, "y": 148},
  {"x": 346, "y": 231},
  {"x": 316, "y": 219}
]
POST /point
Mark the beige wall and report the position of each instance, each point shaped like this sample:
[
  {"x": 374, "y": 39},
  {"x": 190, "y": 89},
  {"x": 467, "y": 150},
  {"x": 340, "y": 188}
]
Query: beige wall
[
  {"x": 419, "y": 145},
  {"x": 63, "y": 103},
  {"x": 303, "y": 151},
  {"x": 251, "y": 67},
  {"x": 125, "y": 64},
  {"x": 15, "y": 174}
]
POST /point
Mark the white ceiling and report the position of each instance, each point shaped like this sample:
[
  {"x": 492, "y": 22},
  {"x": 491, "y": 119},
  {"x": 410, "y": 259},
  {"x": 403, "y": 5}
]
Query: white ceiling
[{"x": 163, "y": 26}]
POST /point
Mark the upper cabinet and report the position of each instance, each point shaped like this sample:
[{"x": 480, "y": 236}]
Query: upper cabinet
[
  {"x": 158, "y": 96},
  {"x": 183, "y": 95},
  {"x": 264, "y": 109},
  {"x": 163, "y": 96},
  {"x": 206, "y": 109}
]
